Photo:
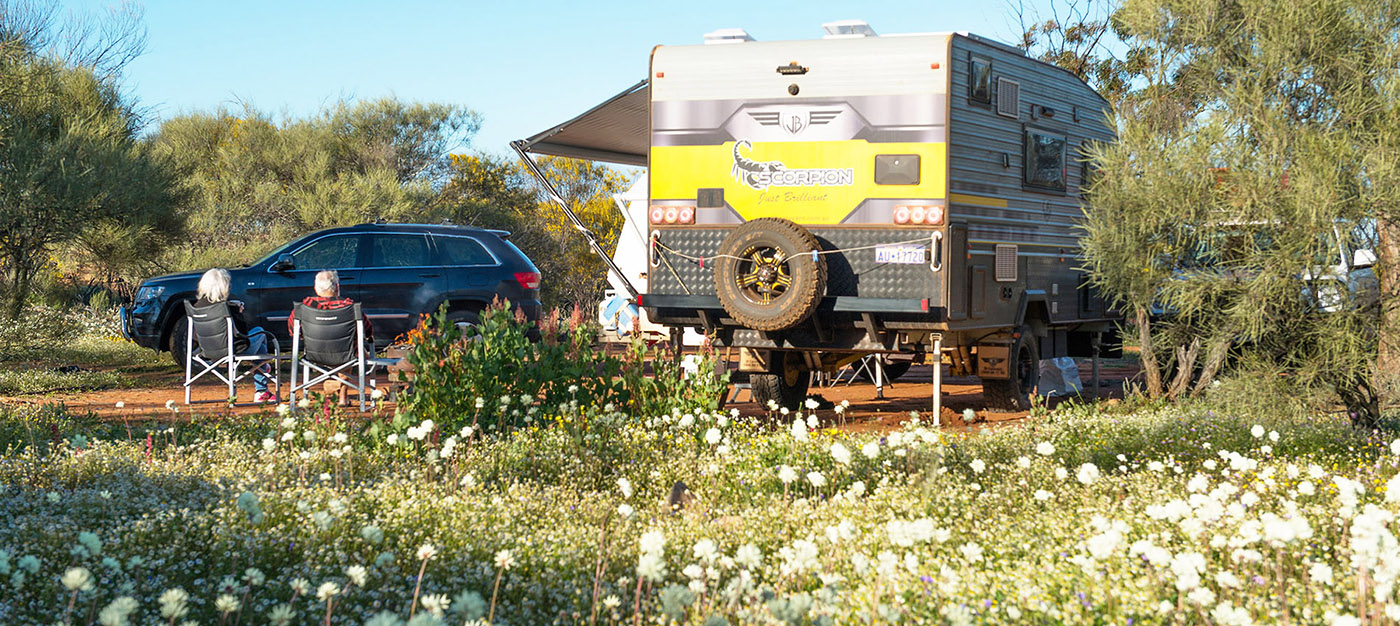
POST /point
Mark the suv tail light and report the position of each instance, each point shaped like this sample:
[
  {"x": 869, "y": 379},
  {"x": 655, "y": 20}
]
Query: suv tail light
[{"x": 528, "y": 280}]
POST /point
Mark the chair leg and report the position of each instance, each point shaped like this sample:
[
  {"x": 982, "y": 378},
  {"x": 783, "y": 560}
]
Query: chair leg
[{"x": 189, "y": 357}]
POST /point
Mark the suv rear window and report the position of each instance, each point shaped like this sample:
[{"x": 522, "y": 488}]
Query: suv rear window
[
  {"x": 463, "y": 251},
  {"x": 400, "y": 251}
]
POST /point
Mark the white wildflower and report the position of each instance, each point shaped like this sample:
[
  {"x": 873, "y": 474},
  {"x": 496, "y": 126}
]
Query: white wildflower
[
  {"x": 327, "y": 590},
  {"x": 840, "y": 454},
  {"x": 787, "y": 474},
  {"x": 426, "y": 551},
  {"x": 1088, "y": 473},
  {"x": 505, "y": 560}
]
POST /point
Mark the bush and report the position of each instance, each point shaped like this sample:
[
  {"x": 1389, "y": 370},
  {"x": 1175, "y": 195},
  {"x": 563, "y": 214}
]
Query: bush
[{"x": 492, "y": 375}]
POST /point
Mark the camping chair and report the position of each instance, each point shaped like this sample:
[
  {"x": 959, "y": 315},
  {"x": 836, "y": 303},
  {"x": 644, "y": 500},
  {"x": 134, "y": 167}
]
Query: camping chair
[
  {"x": 332, "y": 343},
  {"x": 209, "y": 344}
]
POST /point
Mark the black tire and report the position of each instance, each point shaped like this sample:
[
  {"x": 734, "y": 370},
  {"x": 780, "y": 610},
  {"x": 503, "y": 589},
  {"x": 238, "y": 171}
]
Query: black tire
[
  {"x": 1014, "y": 393},
  {"x": 464, "y": 319},
  {"x": 893, "y": 369},
  {"x": 774, "y": 387},
  {"x": 765, "y": 275},
  {"x": 178, "y": 336}
]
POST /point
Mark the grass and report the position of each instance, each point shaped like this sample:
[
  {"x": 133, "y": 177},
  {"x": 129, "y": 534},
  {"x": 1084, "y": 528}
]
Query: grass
[{"x": 56, "y": 351}]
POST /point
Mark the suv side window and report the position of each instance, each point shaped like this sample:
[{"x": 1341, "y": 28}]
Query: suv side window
[
  {"x": 463, "y": 251},
  {"x": 334, "y": 252},
  {"x": 400, "y": 251}
]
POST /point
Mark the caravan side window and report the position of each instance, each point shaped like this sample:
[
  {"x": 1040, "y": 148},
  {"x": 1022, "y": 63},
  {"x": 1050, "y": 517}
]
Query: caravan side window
[
  {"x": 1045, "y": 160},
  {"x": 979, "y": 80}
]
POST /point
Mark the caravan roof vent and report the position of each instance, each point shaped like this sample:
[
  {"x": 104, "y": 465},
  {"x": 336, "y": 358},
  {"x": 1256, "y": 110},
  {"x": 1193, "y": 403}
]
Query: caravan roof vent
[
  {"x": 844, "y": 29},
  {"x": 728, "y": 35}
]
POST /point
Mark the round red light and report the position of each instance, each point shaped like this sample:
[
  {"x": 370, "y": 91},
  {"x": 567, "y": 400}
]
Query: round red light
[
  {"x": 901, "y": 215},
  {"x": 657, "y": 214},
  {"x": 686, "y": 216},
  {"x": 935, "y": 215}
]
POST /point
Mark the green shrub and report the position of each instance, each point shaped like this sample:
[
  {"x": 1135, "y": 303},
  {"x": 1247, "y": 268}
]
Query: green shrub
[{"x": 495, "y": 376}]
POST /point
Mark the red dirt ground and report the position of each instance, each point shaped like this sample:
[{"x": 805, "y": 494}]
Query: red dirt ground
[{"x": 912, "y": 392}]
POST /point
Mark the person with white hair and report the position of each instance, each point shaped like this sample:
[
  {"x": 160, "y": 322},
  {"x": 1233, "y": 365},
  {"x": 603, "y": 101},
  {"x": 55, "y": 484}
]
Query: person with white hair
[
  {"x": 214, "y": 288},
  {"x": 328, "y": 297}
]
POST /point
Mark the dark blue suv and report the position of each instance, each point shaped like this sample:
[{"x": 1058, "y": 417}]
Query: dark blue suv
[{"x": 397, "y": 272}]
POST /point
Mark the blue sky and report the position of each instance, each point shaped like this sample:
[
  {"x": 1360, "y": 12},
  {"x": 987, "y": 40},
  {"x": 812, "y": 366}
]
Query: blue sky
[{"x": 524, "y": 66}]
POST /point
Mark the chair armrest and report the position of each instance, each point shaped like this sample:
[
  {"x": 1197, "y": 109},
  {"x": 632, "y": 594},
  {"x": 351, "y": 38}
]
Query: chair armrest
[{"x": 276, "y": 345}]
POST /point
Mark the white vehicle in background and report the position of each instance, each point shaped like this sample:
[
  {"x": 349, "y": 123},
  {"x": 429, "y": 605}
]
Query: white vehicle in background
[
  {"x": 620, "y": 316},
  {"x": 1352, "y": 281}
]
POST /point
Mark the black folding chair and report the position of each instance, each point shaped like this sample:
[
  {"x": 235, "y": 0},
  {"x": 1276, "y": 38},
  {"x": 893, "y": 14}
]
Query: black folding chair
[
  {"x": 210, "y": 345},
  {"x": 332, "y": 343}
]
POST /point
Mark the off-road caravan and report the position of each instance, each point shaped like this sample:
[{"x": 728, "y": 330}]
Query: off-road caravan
[{"x": 815, "y": 201}]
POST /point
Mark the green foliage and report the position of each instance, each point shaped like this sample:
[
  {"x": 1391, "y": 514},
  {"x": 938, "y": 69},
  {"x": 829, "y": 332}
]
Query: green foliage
[
  {"x": 51, "y": 350},
  {"x": 72, "y": 164},
  {"x": 1243, "y": 168},
  {"x": 491, "y": 375},
  {"x": 255, "y": 183},
  {"x": 492, "y": 192},
  {"x": 1084, "y": 38}
]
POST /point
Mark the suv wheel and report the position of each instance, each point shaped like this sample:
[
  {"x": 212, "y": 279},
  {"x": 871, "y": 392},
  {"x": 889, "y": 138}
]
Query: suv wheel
[
  {"x": 179, "y": 334},
  {"x": 464, "y": 320}
]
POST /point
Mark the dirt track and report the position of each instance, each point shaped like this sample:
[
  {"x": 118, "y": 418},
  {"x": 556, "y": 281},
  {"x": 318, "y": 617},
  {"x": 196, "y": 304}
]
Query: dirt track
[{"x": 912, "y": 392}]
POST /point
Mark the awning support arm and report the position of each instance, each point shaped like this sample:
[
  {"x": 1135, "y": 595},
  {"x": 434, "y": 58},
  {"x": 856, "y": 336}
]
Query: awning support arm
[{"x": 519, "y": 147}]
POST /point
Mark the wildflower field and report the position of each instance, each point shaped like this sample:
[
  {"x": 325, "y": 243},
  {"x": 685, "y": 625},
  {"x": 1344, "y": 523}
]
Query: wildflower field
[{"x": 1149, "y": 515}]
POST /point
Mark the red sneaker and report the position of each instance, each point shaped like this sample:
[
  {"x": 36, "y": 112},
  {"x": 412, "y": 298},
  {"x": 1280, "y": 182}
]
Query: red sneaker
[{"x": 263, "y": 397}]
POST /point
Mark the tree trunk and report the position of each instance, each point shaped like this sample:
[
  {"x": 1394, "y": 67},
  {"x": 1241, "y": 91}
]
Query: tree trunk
[
  {"x": 1388, "y": 343},
  {"x": 1215, "y": 359},
  {"x": 1146, "y": 353},
  {"x": 1185, "y": 366}
]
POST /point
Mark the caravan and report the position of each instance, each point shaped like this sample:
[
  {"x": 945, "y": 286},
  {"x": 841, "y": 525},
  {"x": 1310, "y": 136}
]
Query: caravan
[{"x": 812, "y": 202}]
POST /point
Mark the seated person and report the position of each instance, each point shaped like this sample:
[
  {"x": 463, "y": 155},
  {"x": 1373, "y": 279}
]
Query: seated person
[
  {"x": 328, "y": 297},
  {"x": 214, "y": 288}
]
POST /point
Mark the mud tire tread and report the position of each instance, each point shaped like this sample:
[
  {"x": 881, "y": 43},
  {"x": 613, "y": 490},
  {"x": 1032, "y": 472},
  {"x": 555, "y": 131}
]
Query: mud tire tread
[{"x": 809, "y": 278}]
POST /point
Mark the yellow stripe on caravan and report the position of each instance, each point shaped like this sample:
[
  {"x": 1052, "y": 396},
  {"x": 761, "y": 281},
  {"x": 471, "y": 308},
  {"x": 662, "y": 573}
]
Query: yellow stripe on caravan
[
  {"x": 962, "y": 198},
  {"x": 821, "y": 181}
]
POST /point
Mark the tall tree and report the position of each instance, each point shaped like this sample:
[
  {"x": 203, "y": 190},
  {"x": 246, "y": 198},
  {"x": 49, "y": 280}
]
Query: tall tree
[
  {"x": 69, "y": 157},
  {"x": 255, "y": 183},
  {"x": 1082, "y": 37},
  {"x": 1260, "y": 147},
  {"x": 494, "y": 193}
]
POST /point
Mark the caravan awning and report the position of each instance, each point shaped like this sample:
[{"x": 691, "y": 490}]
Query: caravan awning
[{"x": 616, "y": 131}]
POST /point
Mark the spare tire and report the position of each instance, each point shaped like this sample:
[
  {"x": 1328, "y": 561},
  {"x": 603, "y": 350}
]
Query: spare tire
[{"x": 765, "y": 275}]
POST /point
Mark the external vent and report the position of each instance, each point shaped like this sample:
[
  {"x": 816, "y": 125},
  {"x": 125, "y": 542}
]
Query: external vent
[
  {"x": 1005, "y": 271},
  {"x": 1008, "y": 98}
]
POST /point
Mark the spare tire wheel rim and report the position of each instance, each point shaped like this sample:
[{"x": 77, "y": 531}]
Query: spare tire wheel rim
[{"x": 763, "y": 274}]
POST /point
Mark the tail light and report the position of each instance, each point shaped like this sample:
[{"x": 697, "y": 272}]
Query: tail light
[
  {"x": 901, "y": 215},
  {"x": 528, "y": 280},
  {"x": 664, "y": 214},
  {"x": 923, "y": 214}
]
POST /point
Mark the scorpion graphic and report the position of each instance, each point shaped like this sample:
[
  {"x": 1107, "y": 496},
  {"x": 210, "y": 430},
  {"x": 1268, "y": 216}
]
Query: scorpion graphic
[{"x": 746, "y": 170}]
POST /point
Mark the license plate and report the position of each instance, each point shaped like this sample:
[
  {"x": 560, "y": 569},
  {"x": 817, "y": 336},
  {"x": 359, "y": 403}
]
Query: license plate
[{"x": 900, "y": 254}]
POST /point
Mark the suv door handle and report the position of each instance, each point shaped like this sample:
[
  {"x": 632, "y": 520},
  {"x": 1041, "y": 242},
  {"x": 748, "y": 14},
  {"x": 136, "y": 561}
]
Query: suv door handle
[{"x": 429, "y": 275}]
